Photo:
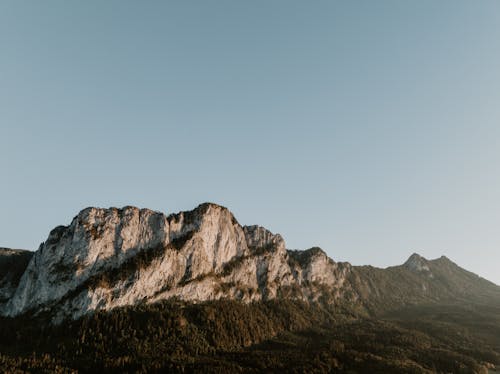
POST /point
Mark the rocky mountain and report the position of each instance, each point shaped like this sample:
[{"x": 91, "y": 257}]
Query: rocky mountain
[
  {"x": 419, "y": 281},
  {"x": 106, "y": 258}
]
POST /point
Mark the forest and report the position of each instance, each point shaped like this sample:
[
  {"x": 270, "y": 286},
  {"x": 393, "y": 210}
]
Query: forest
[{"x": 273, "y": 336}]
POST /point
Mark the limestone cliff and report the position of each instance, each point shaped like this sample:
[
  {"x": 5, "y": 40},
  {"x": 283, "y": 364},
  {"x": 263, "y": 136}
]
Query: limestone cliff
[{"x": 114, "y": 257}]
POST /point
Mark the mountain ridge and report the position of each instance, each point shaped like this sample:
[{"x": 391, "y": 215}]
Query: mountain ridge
[{"x": 110, "y": 257}]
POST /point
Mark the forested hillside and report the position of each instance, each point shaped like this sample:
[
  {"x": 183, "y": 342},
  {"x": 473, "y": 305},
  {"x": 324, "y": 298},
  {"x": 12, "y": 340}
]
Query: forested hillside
[{"x": 228, "y": 337}]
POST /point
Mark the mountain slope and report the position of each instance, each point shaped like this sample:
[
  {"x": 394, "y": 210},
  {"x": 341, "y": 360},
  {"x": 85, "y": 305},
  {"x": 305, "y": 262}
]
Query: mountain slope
[
  {"x": 419, "y": 281},
  {"x": 226, "y": 336}
]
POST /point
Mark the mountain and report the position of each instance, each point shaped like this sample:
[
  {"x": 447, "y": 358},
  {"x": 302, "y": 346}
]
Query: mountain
[
  {"x": 107, "y": 258},
  {"x": 419, "y": 281},
  {"x": 115, "y": 257},
  {"x": 134, "y": 290}
]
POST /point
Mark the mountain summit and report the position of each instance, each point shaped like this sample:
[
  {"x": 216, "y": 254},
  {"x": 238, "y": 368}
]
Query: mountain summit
[{"x": 106, "y": 258}]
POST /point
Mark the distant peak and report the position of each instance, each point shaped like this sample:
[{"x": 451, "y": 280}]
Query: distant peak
[
  {"x": 444, "y": 260},
  {"x": 417, "y": 263},
  {"x": 415, "y": 256}
]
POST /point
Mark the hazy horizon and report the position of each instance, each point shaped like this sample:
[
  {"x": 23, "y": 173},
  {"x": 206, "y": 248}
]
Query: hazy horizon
[{"x": 367, "y": 129}]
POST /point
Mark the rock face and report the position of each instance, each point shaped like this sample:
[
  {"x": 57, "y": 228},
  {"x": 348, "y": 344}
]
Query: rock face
[{"x": 114, "y": 257}]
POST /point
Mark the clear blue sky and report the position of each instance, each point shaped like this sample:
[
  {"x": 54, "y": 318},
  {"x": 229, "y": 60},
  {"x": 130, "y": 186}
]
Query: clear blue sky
[{"x": 369, "y": 128}]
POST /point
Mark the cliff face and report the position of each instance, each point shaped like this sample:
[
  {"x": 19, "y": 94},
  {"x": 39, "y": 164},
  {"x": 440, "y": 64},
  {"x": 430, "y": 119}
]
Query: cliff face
[{"x": 114, "y": 257}]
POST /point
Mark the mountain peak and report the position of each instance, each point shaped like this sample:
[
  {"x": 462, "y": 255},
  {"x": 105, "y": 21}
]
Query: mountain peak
[
  {"x": 415, "y": 257},
  {"x": 444, "y": 259},
  {"x": 417, "y": 263}
]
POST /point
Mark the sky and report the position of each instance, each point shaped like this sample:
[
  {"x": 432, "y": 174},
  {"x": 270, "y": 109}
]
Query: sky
[{"x": 370, "y": 129}]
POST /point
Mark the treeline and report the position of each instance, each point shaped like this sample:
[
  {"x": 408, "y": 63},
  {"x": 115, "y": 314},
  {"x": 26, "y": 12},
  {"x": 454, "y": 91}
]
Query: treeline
[{"x": 164, "y": 335}]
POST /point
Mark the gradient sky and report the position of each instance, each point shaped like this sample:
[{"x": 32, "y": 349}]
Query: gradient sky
[{"x": 369, "y": 128}]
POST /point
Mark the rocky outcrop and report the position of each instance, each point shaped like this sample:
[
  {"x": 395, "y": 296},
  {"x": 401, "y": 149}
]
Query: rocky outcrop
[{"x": 113, "y": 257}]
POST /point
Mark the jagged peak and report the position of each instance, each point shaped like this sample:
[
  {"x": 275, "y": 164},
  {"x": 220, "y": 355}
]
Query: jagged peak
[
  {"x": 93, "y": 211},
  {"x": 417, "y": 259},
  {"x": 93, "y": 219}
]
